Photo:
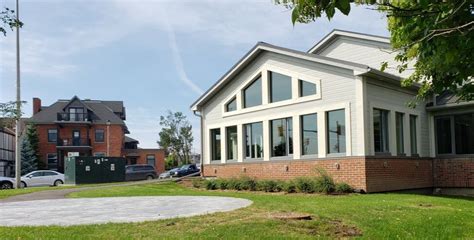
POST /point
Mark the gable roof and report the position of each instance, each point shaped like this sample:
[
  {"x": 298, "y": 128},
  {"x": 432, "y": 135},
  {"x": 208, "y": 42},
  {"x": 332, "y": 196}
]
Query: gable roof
[
  {"x": 103, "y": 110},
  {"x": 336, "y": 33},
  {"x": 265, "y": 47}
]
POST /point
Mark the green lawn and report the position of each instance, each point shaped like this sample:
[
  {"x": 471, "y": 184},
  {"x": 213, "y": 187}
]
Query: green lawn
[{"x": 373, "y": 216}]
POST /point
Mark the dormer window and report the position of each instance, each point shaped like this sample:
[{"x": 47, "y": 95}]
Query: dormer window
[
  {"x": 280, "y": 87},
  {"x": 306, "y": 88},
  {"x": 231, "y": 105},
  {"x": 76, "y": 114}
]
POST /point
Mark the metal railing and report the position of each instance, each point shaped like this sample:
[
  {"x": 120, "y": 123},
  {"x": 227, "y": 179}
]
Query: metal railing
[
  {"x": 73, "y": 117},
  {"x": 74, "y": 142}
]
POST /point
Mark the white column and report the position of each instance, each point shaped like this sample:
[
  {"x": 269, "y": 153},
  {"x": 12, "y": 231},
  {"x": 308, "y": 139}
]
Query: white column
[
  {"x": 266, "y": 140},
  {"x": 431, "y": 135},
  {"x": 348, "y": 130},
  {"x": 240, "y": 143},
  {"x": 406, "y": 134},
  {"x": 265, "y": 87},
  {"x": 238, "y": 99},
  {"x": 223, "y": 145},
  {"x": 392, "y": 133},
  {"x": 295, "y": 88},
  {"x": 362, "y": 147},
  {"x": 322, "y": 134},
  {"x": 296, "y": 137}
]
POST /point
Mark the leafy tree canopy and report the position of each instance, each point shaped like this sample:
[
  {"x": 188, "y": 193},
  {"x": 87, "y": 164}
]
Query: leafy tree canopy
[
  {"x": 176, "y": 136},
  {"x": 437, "y": 35},
  {"x": 8, "y": 20}
]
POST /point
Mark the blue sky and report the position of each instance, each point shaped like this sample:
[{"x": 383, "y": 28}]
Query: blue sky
[{"x": 153, "y": 55}]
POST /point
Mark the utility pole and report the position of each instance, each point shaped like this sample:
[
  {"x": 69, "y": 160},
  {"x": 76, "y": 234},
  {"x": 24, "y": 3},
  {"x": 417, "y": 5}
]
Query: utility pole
[{"x": 18, "y": 103}]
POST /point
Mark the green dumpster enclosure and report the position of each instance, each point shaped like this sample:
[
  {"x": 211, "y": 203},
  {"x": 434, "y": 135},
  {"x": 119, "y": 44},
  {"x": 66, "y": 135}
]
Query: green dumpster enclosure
[{"x": 81, "y": 170}]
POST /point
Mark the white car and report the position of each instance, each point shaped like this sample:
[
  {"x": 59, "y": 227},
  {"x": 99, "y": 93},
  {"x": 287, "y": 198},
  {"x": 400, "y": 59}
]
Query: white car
[
  {"x": 34, "y": 179},
  {"x": 42, "y": 178}
]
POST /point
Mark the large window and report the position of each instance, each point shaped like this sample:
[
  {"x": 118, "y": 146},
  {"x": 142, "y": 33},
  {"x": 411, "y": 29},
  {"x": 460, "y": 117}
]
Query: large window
[
  {"x": 399, "y": 132},
  {"x": 231, "y": 105},
  {"x": 280, "y": 87},
  {"x": 309, "y": 134},
  {"x": 443, "y": 135},
  {"x": 76, "y": 114},
  {"x": 216, "y": 144},
  {"x": 282, "y": 137},
  {"x": 380, "y": 131},
  {"x": 306, "y": 88},
  {"x": 52, "y": 135},
  {"x": 413, "y": 137},
  {"x": 99, "y": 135},
  {"x": 464, "y": 133},
  {"x": 253, "y": 93},
  {"x": 150, "y": 159},
  {"x": 52, "y": 161},
  {"x": 231, "y": 139},
  {"x": 336, "y": 131},
  {"x": 253, "y": 140}
]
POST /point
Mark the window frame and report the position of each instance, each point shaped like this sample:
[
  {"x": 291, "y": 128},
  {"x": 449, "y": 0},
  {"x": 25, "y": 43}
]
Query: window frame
[
  {"x": 248, "y": 129},
  {"x": 413, "y": 132},
  {"x": 300, "y": 88},
  {"x": 95, "y": 135},
  {"x": 47, "y": 160},
  {"x": 301, "y": 119},
  {"x": 212, "y": 143},
  {"x": 270, "y": 87},
  {"x": 288, "y": 146},
  {"x": 228, "y": 143},
  {"x": 452, "y": 130},
  {"x": 400, "y": 139},
  {"x": 148, "y": 159},
  {"x": 327, "y": 132},
  {"x": 384, "y": 138},
  {"x": 57, "y": 135},
  {"x": 233, "y": 99},
  {"x": 244, "y": 89}
]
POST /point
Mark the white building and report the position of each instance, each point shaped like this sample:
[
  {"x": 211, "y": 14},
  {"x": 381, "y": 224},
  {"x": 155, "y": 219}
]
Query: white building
[{"x": 279, "y": 113}]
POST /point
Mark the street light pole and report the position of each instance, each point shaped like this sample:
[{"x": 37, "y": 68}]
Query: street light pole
[{"x": 18, "y": 103}]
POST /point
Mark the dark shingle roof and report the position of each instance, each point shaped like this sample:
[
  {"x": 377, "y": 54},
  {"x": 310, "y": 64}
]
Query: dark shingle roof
[
  {"x": 130, "y": 140},
  {"x": 102, "y": 111}
]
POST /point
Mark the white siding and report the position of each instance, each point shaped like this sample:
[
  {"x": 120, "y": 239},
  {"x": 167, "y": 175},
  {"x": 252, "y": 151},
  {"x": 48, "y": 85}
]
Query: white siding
[
  {"x": 363, "y": 51},
  {"x": 395, "y": 98},
  {"x": 337, "y": 89}
]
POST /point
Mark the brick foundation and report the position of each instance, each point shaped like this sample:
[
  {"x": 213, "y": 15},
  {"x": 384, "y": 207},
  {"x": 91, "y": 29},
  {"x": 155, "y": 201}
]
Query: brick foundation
[{"x": 371, "y": 174}]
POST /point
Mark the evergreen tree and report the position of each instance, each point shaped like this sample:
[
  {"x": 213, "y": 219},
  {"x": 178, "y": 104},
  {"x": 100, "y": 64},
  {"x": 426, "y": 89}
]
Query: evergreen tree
[
  {"x": 33, "y": 138},
  {"x": 28, "y": 157}
]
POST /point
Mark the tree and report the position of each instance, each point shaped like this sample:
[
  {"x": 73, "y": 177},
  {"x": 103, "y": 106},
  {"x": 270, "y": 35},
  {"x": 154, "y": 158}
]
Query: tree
[
  {"x": 33, "y": 138},
  {"x": 176, "y": 136},
  {"x": 8, "y": 20},
  {"x": 437, "y": 35},
  {"x": 9, "y": 114},
  {"x": 29, "y": 161}
]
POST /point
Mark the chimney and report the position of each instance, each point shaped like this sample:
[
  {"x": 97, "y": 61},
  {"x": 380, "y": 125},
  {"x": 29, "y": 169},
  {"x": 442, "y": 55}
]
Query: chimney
[{"x": 36, "y": 105}]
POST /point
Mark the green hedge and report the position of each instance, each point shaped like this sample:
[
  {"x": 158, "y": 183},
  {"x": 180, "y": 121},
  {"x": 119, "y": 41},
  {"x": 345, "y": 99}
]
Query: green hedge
[{"x": 322, "y": 183}]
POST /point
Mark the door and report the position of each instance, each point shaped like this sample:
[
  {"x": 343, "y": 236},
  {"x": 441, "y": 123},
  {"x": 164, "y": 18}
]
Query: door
[
  {"x": 76, "y": 138},
  {"x": 36, "y": 179}
]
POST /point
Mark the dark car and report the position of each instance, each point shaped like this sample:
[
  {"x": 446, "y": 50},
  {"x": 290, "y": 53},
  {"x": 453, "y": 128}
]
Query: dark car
[
  {"x": 185, "y": 170},
  {"x": 139, "y": 172}
]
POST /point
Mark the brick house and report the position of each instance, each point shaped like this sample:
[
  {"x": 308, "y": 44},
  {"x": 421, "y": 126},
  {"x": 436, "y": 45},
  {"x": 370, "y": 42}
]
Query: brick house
[
  {"x": 280, "y": 113},
  {"x": 86, "y": 128}
]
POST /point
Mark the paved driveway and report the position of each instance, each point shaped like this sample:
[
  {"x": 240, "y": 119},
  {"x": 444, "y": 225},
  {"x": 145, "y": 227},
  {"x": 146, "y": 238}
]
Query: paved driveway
[{"x": 66, "y": 212}]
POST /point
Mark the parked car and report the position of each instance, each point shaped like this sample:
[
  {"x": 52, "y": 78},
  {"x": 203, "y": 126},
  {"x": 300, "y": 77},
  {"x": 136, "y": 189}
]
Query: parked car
[
  {"x": 6, "y": 183},
  {"x": 139, "y": 172},
  {"x": 167, "y": 174},
  {"x": 185, "y": 170},
  {"x": 35, "y": 179},
  {"x": 42, "y": 178}
]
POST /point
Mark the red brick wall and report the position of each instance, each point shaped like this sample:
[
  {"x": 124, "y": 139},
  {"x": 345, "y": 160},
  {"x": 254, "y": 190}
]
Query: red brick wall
[
  {"x": 455, "y": 172},
  {"x": 116, "y": 138},
  {"x": 143, "y": 153},
  {"x": 351, "y": 169},
  {"x": 397, "y": 173}
]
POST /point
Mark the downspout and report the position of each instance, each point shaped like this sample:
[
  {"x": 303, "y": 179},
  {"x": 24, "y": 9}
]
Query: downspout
[{"x": 202, "y": 142}]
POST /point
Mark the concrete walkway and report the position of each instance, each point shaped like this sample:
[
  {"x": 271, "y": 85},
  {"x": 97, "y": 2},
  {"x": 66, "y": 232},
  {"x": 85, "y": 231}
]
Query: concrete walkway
[{"x": 66, "y": 212}]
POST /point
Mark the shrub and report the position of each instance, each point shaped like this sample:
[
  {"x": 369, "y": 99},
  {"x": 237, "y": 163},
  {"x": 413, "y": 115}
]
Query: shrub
[
  {"x": 289, "y": 187},
  {"x": 210, "y": 184},
  {"x": 248, "y": 183},
  {"x": 280, "y": 186},
  {"x": 343, "y": 188},
  {"x": 222, "y": 184},
  {"x": 267, "y": 185},
  {"x": 234, "y": 184},
  {"x": 197, "y": 183},
  {"x": 305, "y": 185},
  {"x": 324, "y": 182}
]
